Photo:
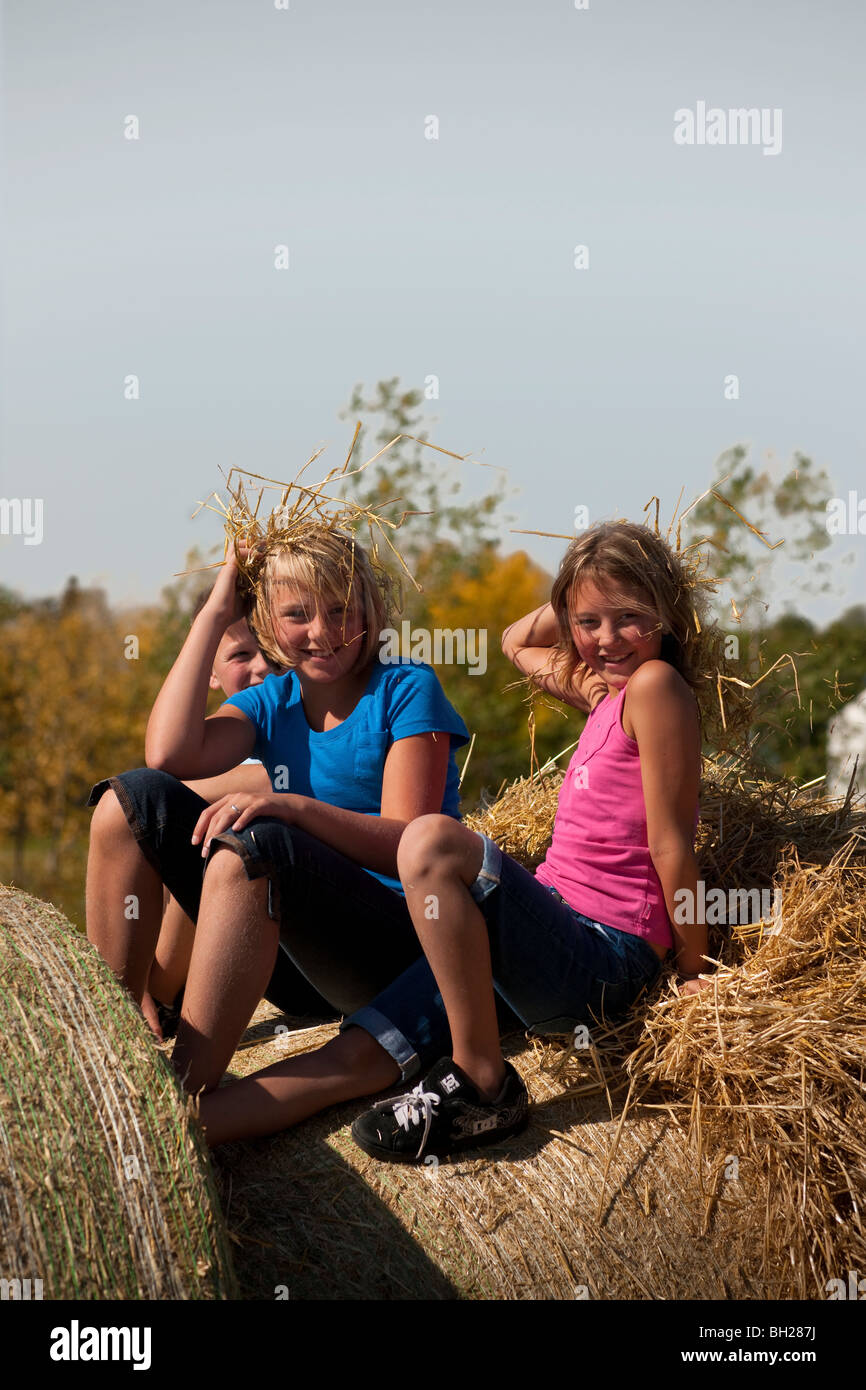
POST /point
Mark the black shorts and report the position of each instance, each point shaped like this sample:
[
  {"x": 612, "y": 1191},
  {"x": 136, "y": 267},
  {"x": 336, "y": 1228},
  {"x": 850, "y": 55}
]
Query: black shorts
[{"x": 344, "y": 936}]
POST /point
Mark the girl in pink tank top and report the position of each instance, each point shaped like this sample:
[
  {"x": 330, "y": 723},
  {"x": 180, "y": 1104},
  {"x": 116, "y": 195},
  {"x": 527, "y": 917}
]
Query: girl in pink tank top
[{"x": 618, "y": 641}]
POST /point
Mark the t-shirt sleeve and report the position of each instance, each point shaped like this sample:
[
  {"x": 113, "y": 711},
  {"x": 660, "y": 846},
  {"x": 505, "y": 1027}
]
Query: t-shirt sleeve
[
  {"x": 249, "y": 703},
  {"x": 417, "y": 704}
]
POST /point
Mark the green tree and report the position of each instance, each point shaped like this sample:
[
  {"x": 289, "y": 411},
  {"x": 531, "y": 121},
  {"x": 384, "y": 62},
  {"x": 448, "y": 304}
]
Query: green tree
[
  {"x": 452, "y": 549},
  {"x": 440, "y": 532},
  {"x": 788, "y": 516},
  {"x": 831, "y": 668}
]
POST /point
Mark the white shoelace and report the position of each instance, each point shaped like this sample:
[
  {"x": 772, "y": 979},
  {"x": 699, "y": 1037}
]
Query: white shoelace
[{"x": 410, "y": 1109}]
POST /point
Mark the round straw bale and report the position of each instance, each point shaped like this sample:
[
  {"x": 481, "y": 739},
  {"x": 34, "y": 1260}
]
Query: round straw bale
[
  {"x": 546, "y": 1215},
  {"x": 707, "y": 1147},
  {"x": 105, "y": 1184}
]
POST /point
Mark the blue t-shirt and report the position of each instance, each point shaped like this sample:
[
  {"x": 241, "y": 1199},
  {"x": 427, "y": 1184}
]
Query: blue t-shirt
[{"x": 344, "y": 766}]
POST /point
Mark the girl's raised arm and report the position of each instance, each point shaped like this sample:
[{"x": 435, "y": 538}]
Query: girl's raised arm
[
  {"x": 179, "y": 738},
  {"x": 530, "y": 645}
]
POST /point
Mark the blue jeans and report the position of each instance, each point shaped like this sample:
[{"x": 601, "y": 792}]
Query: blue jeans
[{"x": 554, "y": 967}]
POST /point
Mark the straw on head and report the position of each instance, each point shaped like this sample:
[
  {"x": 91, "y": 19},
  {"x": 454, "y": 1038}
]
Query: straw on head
[
  {"x": 314, "y": 537},
  {"x": 679, "y": 583}
]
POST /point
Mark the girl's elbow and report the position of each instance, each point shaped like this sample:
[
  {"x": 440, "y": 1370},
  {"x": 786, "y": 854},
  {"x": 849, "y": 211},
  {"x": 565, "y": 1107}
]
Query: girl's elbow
[
  {"x": 160, "y": 758},
  {"x": 672, "y": 850},
  {"x": 159, "y": 761},
  {"x": 156, "y": 753},
  {"x": 511, "y": 650}
]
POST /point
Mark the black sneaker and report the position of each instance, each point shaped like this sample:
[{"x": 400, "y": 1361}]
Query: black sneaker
[{"x": 443, "y": 1114}]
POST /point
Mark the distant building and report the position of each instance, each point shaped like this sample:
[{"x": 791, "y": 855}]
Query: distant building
[{"x": 846, "y": 740}]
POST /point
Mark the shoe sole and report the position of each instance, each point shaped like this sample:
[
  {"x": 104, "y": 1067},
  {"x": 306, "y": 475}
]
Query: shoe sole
[{"x": 476, "y": 1141}]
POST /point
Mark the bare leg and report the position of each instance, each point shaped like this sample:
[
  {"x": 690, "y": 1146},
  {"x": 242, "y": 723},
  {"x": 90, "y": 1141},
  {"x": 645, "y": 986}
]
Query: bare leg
[
  {"x": 232, "y": 959},
  {"x": 173, "y": 953},
  {"x": 438, "y": 858},
  {"x": 124, "y": 897},
  {"x": 351, "y": 1065},
  {"x": 151, "y": 1015}
]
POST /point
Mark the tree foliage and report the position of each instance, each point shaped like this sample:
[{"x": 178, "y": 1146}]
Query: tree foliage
[
  {"x": 75, "y": 704},
  {"x": 495, "y": 704},
  {"x": 76, "y": 692},
  {"x": 410, "y": 478},
  {"x": 789, "y": 514},
  {"x": 789, "y": 510}
]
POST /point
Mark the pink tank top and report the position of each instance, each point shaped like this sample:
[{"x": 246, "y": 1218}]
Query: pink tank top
[{"x": 599, "y": 860}]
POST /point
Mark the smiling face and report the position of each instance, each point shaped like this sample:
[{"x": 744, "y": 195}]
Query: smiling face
[
  {"x": 238, "y": 662},
  {"x": 322, "y": 639},
  {"x": 613, "y": 632}
]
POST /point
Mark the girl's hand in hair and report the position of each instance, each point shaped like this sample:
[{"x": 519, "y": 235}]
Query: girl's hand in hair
[
  {"x": 531, "y": 645},
  {"x": 226, "y": 598},
  {"x": 235, "y": 811}
]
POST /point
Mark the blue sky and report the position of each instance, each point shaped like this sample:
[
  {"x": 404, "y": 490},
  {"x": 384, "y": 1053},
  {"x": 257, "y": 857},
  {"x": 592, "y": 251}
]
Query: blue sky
[{"x": 413, "y": 257}]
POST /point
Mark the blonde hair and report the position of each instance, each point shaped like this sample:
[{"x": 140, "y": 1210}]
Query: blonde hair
[{"x": 333, "y": 567}]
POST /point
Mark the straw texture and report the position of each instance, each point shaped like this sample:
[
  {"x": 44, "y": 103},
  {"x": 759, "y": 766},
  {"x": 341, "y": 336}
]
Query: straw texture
[
  {"x": 709, "y": 1147},
  {"x": 105, "y": 1184},
  {"x": 314, "y": 1217}
]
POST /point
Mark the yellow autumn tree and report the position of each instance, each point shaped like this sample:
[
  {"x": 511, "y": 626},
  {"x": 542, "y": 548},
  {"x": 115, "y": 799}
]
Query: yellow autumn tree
[
  {"x": 494, "y": 704},
  {"x": 76, "y": 689}
]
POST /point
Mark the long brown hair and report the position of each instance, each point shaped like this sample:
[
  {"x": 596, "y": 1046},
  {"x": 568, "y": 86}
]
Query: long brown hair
[{"x": 623, "y": 553}]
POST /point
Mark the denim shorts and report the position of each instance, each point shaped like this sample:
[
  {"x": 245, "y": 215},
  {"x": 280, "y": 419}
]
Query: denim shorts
[
  {"x": 553, "y": 966},
  {"x": 347, "y": 934}
]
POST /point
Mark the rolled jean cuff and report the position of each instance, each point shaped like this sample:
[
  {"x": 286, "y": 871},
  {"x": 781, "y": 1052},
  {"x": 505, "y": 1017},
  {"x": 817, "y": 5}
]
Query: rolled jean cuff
[
  {"x": 388, "y": 1037},
  {"x": 490, "y": 871}
]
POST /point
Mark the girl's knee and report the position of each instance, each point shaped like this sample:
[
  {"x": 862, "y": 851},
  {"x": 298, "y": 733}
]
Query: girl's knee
[
  {"x": 109, "y": 818},
  {"x": 437, "y": 843},
  {"x": 224, "y": 864}
]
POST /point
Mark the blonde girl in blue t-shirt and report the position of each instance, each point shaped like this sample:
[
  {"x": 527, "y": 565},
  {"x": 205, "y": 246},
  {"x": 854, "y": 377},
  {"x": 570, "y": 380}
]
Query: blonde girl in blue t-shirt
[{"x": 319, "y": 873}]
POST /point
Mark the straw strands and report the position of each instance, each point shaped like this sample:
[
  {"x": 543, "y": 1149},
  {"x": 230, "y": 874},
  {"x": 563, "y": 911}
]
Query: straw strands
[
  {"x": 698, "y": 647},
  {"x": 521, "y": 818},
  {"x": 105, "y": 1184},
  {"x": 769, "y": 1066},
  {"x": 305, "y": 508},
  {"x": 704, "y": 1147},
  {"x": 314, "y": 1216}
]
